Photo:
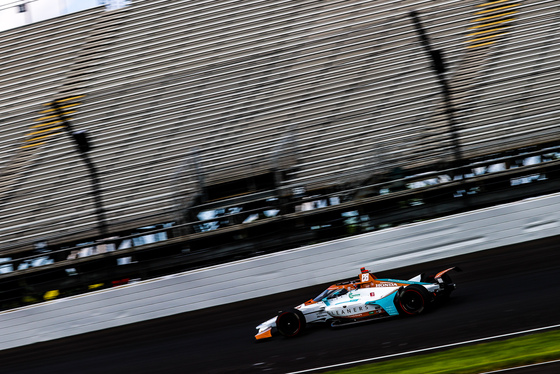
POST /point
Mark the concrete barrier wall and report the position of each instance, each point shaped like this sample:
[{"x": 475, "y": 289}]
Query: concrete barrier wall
[{"x": 302, "y": 267}]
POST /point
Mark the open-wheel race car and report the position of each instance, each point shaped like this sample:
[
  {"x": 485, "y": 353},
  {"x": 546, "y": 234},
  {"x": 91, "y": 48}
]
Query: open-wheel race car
[{"x": 362, "y": 300}]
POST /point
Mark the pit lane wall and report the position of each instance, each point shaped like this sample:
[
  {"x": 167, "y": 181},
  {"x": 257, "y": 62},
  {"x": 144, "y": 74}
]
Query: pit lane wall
[{"x": 302, "y": 267}]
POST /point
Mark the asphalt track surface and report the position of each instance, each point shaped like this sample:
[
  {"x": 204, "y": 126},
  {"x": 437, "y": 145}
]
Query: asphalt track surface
[{"x": 499, "y": 291}]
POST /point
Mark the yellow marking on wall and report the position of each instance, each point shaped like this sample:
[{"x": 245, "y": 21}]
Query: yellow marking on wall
[
  {"x": 32, "y": 145},
  {"x": 492, "y": 3},
  {"x": 496, "y": 9},
  {"x": 492, "y": 23},
  {"x": 43, "y": 131},
  {"x": 487, "y": 31},
  {"x": 66, "y": 99},
  {"x": 480, "y": 45},
  {"x": 39, "y": 137},
  {"x": 47, "y": 123},
  {"x": 57, "y": 118},
  {"x": 61, "y": 107},
  {"x": 55, "y": 115},
  {"x": 485, "y": 37},
  {"x": 48, "y": 117},
  {"x": 495, "y": 16}
]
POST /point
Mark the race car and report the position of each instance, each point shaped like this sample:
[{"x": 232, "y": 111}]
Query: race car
[{"x": 360, "y": 301}]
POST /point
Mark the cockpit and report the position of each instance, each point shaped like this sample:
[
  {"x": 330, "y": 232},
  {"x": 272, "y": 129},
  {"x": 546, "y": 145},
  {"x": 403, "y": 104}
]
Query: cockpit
[{"x": 331, "y": 294}]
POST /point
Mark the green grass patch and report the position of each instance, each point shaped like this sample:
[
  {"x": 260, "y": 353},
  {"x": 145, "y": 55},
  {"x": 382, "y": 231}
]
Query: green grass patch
[{"x": 472, "y": 359}]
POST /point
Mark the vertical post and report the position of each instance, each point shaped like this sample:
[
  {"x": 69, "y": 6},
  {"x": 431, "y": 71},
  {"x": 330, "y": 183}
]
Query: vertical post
[
  {"x": 22, "y": 8},
  {"x": 195, "y": 157},
  {"x": 83, "y": 147},
  {"x": 438, "y": 65}
]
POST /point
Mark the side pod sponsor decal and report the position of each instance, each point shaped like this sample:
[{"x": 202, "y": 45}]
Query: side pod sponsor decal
[
  {"x": 352, "y": 310},
  {"x": 386, "y": 284},
  {"x": 353, "y": 295},
  {"x": 387, "y": 303}
]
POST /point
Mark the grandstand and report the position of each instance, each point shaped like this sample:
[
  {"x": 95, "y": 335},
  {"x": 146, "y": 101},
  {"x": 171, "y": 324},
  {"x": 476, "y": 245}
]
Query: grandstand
[{"x": 264, "y": 106}]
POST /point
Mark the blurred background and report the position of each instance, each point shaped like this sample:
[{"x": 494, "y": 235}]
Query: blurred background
[{"x": 145, "y": 138}]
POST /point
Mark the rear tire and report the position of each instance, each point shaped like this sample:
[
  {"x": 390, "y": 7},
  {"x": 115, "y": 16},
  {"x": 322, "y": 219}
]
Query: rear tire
[
  {"x": 290, "y": 323},
  {"x": 413, "y": 300}
]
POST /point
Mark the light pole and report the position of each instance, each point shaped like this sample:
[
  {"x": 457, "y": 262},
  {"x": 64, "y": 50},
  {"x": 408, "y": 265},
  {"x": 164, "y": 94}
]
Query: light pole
[
  {"x": 438, "y": 64},
  {"x": 83, "y": 146}
]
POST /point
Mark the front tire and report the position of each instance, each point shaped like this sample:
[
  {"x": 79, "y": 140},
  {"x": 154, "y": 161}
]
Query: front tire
[
  {"x": 290, "y": 323},
  {"x": 413, "y": 300}
]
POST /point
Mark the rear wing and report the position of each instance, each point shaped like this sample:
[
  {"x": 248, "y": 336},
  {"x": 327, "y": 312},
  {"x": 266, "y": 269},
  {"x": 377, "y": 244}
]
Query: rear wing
[
  {"x": 441, "y": 273},
  {"x": 433, "y": 278}
]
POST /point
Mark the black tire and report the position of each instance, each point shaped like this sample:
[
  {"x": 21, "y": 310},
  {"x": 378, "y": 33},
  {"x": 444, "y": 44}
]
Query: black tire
[
  {"x": 413, "y": 300},
  {"x": 290, "y": 323}
]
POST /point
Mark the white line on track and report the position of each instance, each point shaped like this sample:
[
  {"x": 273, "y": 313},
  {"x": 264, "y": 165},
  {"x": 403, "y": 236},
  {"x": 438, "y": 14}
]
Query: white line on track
[
  {"x": 521, "y": 367},
  {"x": 426, "y": 349}
]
